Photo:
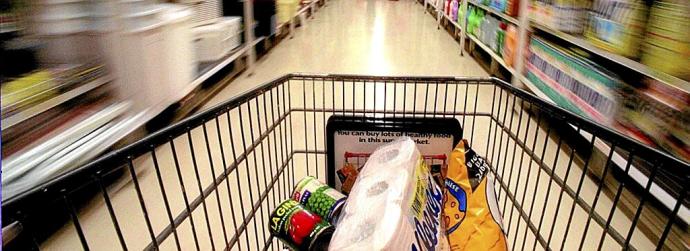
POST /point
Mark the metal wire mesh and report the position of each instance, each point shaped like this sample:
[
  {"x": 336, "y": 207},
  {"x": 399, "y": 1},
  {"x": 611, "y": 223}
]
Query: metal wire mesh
[{"x": 210, "y": 181}]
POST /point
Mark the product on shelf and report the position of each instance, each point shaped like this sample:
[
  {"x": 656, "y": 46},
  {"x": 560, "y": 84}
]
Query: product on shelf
[
  {"x": 499, "y": 5},
  {"x": 394, "y": 205},
  {"x": 564, "y": 15},
  {"x": 491, "y": 33},
  {"x": 498, "y": 45},
  {"x": 65, "y": 151},
  {"x": 447, "y": 7},
  {"x": 511, "y": 43},
  {"x": 27, "y": 90},
  {"x": 471, "y": 214},
  {"x": 454, "y": 10},
  {"x": 667, "y": 41},
  {"x": 617, "y": 25},
  {"x": 512, "y": 7},
  {"x": 34, "y": 88},
  {"x": 299, "y": 228},
  {"x": 461, "y": 12},
  {"x": 210, "y": 42},
  {"x": 319, "y": 198},
  {"x": 474, "y": 20},
  {"x": 661, "y": 112},
  {"x": 573, "y": 81}
]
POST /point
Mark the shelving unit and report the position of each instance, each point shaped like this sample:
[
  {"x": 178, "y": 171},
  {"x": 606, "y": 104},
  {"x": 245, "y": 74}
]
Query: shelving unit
[
  {"x": 493, "y": 54},
  {"x": 210, "y": 69},
  {"x": 534, "y": 89},
  {"x": 53, "y": 102},
  {"x": 494, "y": 12},
  {"x": 620, "y": 161},
  {"x": 308, "y": 9},
  {"x": 457, "y": 25},
  {"x": 518, "y": 78},
  {"x": 618, "y": 59},
  {"x": 129, "y": 123}
]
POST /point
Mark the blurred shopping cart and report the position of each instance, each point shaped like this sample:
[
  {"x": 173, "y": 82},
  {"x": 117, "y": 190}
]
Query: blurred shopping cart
[{"x": 210, "y": 181}]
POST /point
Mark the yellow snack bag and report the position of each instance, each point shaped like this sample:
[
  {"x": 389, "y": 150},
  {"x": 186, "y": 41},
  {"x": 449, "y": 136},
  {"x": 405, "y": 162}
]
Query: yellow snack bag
[{"x": 471, "y": 215}]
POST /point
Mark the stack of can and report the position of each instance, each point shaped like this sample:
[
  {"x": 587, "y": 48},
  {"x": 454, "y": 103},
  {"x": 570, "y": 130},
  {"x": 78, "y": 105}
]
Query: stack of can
[{"x": 306, "y": 221}]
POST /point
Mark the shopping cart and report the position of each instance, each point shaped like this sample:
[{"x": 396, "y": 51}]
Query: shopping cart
[{"x": 211, "y": 180}]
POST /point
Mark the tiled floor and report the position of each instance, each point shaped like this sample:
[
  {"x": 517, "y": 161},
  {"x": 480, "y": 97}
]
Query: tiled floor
[{"x": 368, "y": 37}]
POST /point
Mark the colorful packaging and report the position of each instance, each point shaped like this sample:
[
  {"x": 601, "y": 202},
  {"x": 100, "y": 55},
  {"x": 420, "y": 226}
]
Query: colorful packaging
[
  {"x": 299, "y": 228},
  {"x": 510, "y": 47},
  {"x": 394, "y": 204},
  {"x": 454, "y": 10},
  {"x": 471, "y": 215},
  {"x": 347, "y": 176},
  {"x": 617, "y": 25},
  {"x": 319, "y": 198},
  {"x": 512, "y": 7},
  {"x": 667, "y": 39}
]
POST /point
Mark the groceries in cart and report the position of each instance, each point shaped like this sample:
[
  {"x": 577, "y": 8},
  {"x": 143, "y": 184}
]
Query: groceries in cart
[
  {"x": 471, "y": 215},
  {"x": 397, "y": 203},
  {"x": 299, "y": 228},
  {"x": 393, "y": 205},
  {"x": 355, "y": 161},
  {"x": 319, "y": 198}
]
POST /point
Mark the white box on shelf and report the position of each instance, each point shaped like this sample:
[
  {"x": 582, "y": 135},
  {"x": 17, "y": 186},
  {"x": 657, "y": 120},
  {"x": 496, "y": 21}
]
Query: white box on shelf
[
  {"x": 144, "y": 19},
  {"x": 208, "y": 42},
  {"x": 232, "y": 42},
  {"x": 179, "y": 47},
  {"x": 232, "y": 25}
]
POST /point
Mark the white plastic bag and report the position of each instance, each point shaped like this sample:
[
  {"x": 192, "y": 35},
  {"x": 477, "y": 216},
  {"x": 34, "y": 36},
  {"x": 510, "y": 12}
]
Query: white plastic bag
[{"x": 393, "y": 205}]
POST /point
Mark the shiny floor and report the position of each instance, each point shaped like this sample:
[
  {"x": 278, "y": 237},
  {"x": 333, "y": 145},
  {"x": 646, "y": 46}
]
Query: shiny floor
[
  {"x": 369, "y": 37},
  {"x": 364, "y": 37}
]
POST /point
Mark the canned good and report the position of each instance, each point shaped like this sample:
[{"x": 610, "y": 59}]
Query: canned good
[
  {"x": 319, "y": 198},
  {"x": 299, "y": 228}
]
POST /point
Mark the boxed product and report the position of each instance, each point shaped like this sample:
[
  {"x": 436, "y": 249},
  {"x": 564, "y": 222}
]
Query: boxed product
[
  {"x": 210, "y": 42},
  {"x": 393, "y": 205},
  {"x": 471, "y": 215}
]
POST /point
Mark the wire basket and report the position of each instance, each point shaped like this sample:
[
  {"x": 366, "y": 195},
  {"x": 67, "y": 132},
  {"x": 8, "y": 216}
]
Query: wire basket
[{"x": 210, "y": 181}]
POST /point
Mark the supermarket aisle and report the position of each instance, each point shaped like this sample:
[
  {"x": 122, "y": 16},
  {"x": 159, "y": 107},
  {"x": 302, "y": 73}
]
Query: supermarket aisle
[
  {"x": 369, "y": 37},
  {"x": 355, "y": 37},
  {"x": 259, "y": 165},
  {"x": 347, "y": 37}
]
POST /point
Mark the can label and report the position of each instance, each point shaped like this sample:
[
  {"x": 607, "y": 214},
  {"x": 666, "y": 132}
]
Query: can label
[
  {"x": 319, "y": 198},
  {"x": 296, "y": 226}
]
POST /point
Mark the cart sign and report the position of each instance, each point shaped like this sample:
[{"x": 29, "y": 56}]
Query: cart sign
[{"x": 351, "y": 139}]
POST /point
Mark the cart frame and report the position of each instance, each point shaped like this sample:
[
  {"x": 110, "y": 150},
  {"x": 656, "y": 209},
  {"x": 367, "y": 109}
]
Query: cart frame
[{"x": 273, "y": 137}]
